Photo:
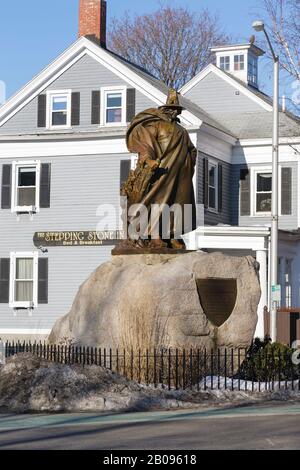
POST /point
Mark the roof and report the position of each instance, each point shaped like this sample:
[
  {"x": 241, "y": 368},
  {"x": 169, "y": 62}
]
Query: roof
[
  {"x": 135, "y": 75},
  {"x": 186, "y": 103},
  {"x": 249, "y": 125},
  {"x": 232, "y": 47},
  {"x": 259, "y": 125}
]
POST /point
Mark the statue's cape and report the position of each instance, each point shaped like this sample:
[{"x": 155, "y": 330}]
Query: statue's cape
[{"x": 173, "y": 183}]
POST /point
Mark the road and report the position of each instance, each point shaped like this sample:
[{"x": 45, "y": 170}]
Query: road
[{"x": 257, "y": 427}]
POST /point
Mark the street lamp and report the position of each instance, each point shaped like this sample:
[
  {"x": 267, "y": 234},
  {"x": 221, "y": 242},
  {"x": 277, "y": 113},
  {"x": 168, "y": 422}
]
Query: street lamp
[{"x": 259, "y": 26}]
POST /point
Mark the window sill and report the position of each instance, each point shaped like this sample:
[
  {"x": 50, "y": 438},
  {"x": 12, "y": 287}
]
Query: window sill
[
  {"x": 25, "y": 209},
  {"x": 22, "y": 305},
  {"x": 57, "y": 128},
  {"x": 261, "y": 215},
  {"x": 212, "y": 211},
  {"x": 116, "y": 124}
]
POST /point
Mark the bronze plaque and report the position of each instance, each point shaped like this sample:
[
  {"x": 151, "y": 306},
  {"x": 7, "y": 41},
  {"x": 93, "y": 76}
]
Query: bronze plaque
[{"x": 218, "y": 298}]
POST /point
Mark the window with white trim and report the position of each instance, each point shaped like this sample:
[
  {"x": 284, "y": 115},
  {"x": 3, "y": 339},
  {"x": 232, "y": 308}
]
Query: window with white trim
[
  {"x": 225, "y": 63},
  {"x": 212, "y": 185},
  {"x": 26, "y": 186},
  {"x": 239, "y": 62},
  {"x": 23, "y": 280},
  {"x": 59, "y": 109},
  {"x": 252, "y": 69},
  {"x": 263, "y": 192},
  {"x": 113, "y": 101}
]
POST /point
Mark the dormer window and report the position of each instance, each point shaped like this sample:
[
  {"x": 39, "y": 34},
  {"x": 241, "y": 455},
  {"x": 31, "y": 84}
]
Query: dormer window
[
  {"x": 239, "y": 62},
  {"x": 225, "y": 63},
  {"x": 252, "y": 69}
]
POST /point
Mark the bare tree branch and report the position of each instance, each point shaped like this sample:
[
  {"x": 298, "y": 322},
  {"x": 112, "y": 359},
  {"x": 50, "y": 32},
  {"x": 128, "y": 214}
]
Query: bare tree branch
[
  {"x": 172, "y": 43},
  {"x": 282, "y": 18}
]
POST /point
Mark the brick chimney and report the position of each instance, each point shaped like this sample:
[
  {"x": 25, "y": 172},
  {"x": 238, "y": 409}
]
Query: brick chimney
[{"x": 92, "y": 20}]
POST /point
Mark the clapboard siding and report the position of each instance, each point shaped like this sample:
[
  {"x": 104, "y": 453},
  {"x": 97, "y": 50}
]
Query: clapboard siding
[
  {"x": 223, "y": 217},
  {"x": 78, "y": 186},
  {"x": 286, "y": 222},
  {"x": 215, "y": 95},
  {"x": 84, "y": 77}
]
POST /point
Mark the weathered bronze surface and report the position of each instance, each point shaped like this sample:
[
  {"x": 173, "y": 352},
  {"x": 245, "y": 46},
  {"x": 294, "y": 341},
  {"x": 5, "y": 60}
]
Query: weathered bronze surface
[
  {"x": 218, "y": 298},
  {"x": 164, "y": 173}
]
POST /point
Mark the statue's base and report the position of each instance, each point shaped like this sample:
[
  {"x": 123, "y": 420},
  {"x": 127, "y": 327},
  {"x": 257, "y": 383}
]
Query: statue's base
[
  {"x": 149, "y": 251},
  {"x": 189, "y": 300}
]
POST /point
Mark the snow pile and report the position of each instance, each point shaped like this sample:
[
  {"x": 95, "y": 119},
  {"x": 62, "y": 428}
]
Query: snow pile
[
  {"x": 29, "y": 383},
  {"x": 222, "y": 383}
]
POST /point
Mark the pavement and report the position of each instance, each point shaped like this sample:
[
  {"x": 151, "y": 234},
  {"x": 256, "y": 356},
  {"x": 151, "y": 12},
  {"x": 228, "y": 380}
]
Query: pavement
[{"x": 275, "y": 426}]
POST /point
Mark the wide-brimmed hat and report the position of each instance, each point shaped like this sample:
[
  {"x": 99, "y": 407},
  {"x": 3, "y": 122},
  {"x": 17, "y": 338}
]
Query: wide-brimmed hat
[{"x": 173, "y": 100}]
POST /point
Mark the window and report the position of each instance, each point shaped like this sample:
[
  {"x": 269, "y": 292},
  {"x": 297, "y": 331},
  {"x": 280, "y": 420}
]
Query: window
[
  {"x": 263, "y": 198},
  {"x": 59, "y": 109},
  {"x": 114, "y": 109},
  {"x": 239, "y": 62},
  {"x": 26, "y": 188},
  {"x": 212, "y": 186},
  {"x": 225, "y": 63},
  {"x": 252, "y": 69},
  {"x": 23, "y": 280}
]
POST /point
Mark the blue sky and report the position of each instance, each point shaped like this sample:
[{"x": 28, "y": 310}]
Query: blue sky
[{"x": 34, "y": 32}]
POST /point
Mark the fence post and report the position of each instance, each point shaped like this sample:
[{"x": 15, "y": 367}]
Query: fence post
[
  {"x": 147, "y": 367},
  {"x": 139, "y": 367},
  {"x": 176, "y": 369},
  {"x": 2, "y": 352},
  {"x": 183, "y": 369},
  {"x": 205, "y": 369},
  {"x": 169, "y": 370},
  {"x": 225, "y": 368},
  {"x": 191, "y": 369}
]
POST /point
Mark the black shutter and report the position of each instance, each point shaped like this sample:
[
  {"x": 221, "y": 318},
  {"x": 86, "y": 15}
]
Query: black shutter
[
  {"x": 125, "y": 167},
  {"x": 6, "y": 187},
  {"x": 286, "y": 191},
  {"x": 4, "y": 280},
  {"x": 75, "y": 109},
  {"x": 244, "y": 192},
  {"x": 95, "y": 118},
  {"x": 130, "y": 104},
  {"x": 43, "y": 281},
  {"x": 45, "y": 184},
  {"x": 42, "y": 105},
  {"x": 205, "y": 183},
  {"x": 220, "y": 187}
]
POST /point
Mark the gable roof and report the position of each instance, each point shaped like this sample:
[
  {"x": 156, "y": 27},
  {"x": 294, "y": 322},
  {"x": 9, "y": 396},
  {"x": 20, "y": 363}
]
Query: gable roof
[
  {"x": 238, "y": 84},
  {"x": 186, "y": 103},
  {"x": 136, "y": 76},
  {"x": 249, "y": 125}
]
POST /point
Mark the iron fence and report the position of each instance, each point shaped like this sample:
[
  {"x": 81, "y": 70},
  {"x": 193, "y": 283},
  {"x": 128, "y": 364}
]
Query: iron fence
[{"x": 174, "y": 369}]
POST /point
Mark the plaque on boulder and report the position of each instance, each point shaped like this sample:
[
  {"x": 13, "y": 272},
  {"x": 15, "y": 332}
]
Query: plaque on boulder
[{"x": 218, "y": 298}]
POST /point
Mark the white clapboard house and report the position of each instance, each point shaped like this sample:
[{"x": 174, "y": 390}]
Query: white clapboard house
[{"x": 63, "y": 155}]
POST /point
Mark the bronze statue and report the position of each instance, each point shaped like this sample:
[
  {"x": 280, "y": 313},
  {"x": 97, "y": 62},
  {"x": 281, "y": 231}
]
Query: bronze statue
[{"x": 164, "y": 172}]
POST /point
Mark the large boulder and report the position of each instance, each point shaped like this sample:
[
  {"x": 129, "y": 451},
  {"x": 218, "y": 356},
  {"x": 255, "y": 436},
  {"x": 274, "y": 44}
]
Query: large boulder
[{"x": 186, "y": 300}]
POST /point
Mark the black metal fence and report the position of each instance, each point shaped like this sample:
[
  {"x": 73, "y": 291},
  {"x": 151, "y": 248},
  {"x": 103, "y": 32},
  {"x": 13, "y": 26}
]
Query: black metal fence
[{"x": 176, "y": 369}]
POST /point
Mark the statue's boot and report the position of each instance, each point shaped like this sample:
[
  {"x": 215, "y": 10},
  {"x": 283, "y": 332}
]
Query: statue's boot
[
  {"x": 177, "y": 244},
  {"x": 157, "y": 244}
]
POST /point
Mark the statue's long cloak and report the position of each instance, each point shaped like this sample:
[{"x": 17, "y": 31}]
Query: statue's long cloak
[{"x": 152, "y": 134}]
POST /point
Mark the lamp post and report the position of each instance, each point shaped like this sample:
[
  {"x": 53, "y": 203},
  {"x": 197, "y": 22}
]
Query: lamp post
[{"x": 259, "y": 26}]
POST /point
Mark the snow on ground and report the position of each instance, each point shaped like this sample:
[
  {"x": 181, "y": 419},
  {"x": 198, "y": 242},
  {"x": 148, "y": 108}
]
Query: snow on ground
[
  {"x": 30, "y": 384},
  {"x": 222, "y": 383}
]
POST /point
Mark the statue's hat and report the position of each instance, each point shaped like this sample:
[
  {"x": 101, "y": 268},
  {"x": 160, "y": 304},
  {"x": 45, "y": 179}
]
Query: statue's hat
[{"x": 173, "y": 100}]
